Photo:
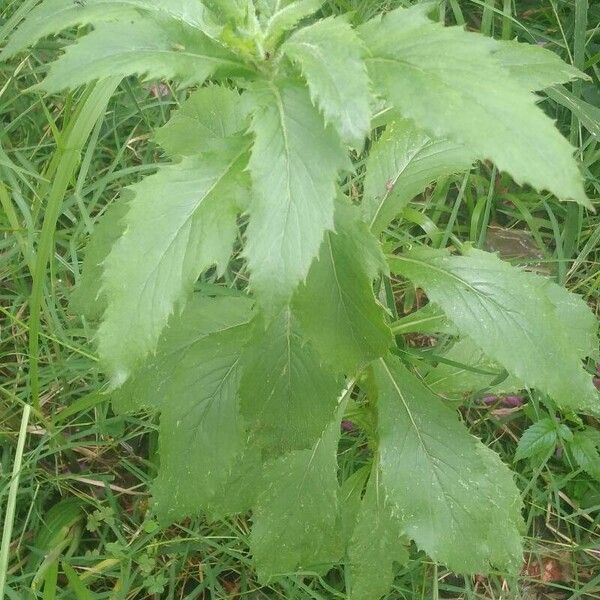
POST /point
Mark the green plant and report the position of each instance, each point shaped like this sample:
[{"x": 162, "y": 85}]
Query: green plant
[{"x": 252, "y": 380}]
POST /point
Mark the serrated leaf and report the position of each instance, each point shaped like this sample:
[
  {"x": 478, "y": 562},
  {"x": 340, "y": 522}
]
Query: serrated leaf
[
  {"x": 448, "y": 489},
  {"x": 584, "y": 450},
  {"x": 536, "y": 68},
  {"x": 571, "y": 309},
  {"x": 193, "y": 381},
  {"x": 376, "y": 544},
  {"x": 509, "y": 314},
  {"x": 144, "y": 46},
  {"x": 87, "y": 299},
  {"x": 181, "y": 221},
  {"x": 446, "y": 378},
  {"x": 329, "y": 54},
  {"x": 538, "y": 440},
  {"x": 448, "y": 81},
  {"x": 283, "y": 15},
  {"x": 401, "y": 164},
  {"x": 294, "y": 166},
  {"x": 295, "y": 516},
  {"x": 336, "y": 306},
  {"x": 206, "y": 121},
  {"x": 287, "y": 396}
]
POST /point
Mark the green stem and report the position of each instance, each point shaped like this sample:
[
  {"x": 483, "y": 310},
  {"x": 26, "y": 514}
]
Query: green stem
[
  {"x": 67, "y": 156},
  {"x": 11, "y": 502},
  {"x": 574, "y": 211}
]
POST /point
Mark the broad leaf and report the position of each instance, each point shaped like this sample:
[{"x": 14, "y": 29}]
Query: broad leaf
[
  {"x": 329, "y": 54},
  {"x": 294, "y": 167},
  {"x": 401, "y": 164},
  {"x": 295, "y": 516},
  {"x": 87, "y": 299},
  {"x": 449, "y": 83},
  {"x": 205, "y": 121},
  {"x": 145, "y": 46},
  {"x": 181, "y": 221},
  {"x": 535, "y": 67},
  {"x": 193, "y": 382},
  {"x": 376, "y": 544},
  {"x": 448, "y": 489},
  {"x": 288, "y": 397},
  {"x": 336, "y": 307},
  {"x": 511, "y": 316}
]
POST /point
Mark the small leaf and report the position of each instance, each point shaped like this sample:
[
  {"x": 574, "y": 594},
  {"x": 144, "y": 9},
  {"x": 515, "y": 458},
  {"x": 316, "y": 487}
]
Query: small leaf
[
  {"x": 294, "y": 167},
  {"x": 329, "y": 54},
  {"x": 284, "y": 15},
  {"x": 206, "y": 121},
  {"x": 448, "y": 489},
  {"x": 584, "y": 449},
  {"x": 538, "y": 440},
  {"x": 336, "y": 307},
  {"x": 401, "y": 164},
  {"x": 512, "y": 316},
  {"x": 181, "y": 221}
]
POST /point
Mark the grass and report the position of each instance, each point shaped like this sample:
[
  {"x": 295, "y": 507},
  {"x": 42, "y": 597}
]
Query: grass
[{"x": 81, "y": 526}]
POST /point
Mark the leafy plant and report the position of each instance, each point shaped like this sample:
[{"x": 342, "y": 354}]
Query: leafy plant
[{"x": 252, "y": 381}]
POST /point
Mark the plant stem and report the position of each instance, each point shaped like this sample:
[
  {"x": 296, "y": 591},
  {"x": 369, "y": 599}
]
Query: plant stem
[{"x": 574, "y": 211}]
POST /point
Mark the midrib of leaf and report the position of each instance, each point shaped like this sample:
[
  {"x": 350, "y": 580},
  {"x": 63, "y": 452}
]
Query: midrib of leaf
[
  {"x": 430, "y": 459},
  {"x": 286, "y": 143}
]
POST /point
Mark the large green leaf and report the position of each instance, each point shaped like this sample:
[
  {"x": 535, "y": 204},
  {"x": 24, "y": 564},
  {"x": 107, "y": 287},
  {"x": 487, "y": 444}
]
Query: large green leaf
[
  {"x": 294, "y": 167},
  {"x": 449, "y": 490},
  {"x": 193, "y": 381},
  {"x": 205, "y": 121},
  {"x": 329, "y": 54},
  {"x": 401, "y": 164},
  {"x": 181, "y": 221},
  {"x": 294, "y": 519},
  {"x": 513, "y": 317},
  {"x": 151, "y": 47},
  {"x": 336, "y": 307},
  {"x": 376, "y": 544},
  {"x": 448, "y": 81},
  {"x": 536, "y": 68},
  {"x": 287, "y": 396}
]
